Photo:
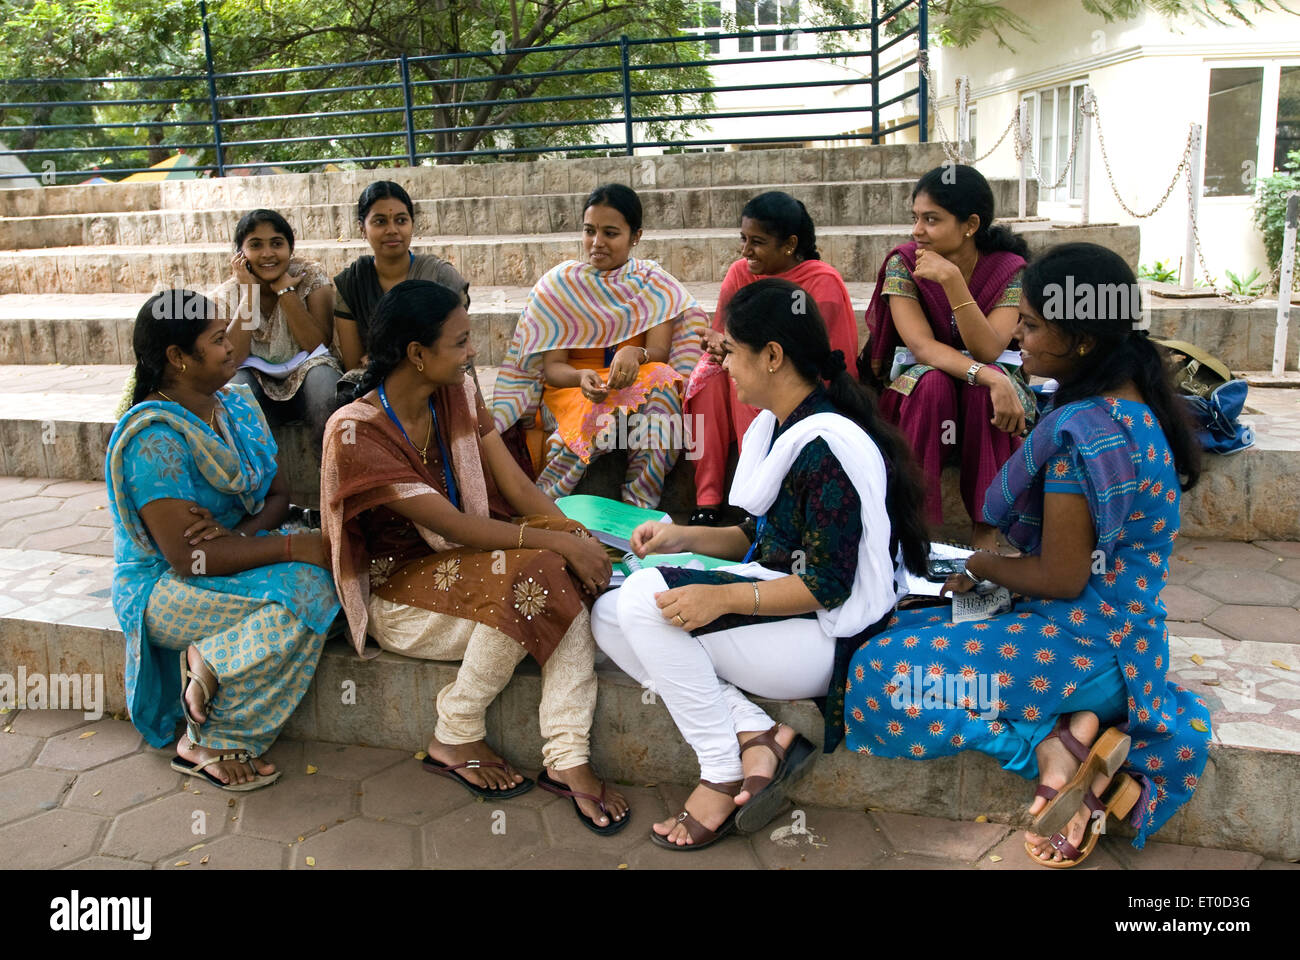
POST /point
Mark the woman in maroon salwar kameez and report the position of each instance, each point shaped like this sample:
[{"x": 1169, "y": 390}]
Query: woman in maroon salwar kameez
[{"x": 941, "y": 321}]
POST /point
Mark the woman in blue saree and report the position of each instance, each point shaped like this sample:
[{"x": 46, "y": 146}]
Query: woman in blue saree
[
  {"x": 1092, "y": 500},
  {"x": 201, "y": 567}
]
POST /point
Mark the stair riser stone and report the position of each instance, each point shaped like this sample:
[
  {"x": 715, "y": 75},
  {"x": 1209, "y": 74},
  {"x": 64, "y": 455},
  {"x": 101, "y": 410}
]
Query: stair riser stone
[
  {"x": 634, "y": 740},
  {"x": 835, "y": 204},
  {"x": 484, "y": 263},
  {"x": 669, "y": 172}
]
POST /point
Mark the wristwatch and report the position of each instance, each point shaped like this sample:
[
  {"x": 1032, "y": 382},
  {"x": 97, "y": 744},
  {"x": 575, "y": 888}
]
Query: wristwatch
[
  {"x": 287, "y": 289},
  {"x": 973, "y": 372}
]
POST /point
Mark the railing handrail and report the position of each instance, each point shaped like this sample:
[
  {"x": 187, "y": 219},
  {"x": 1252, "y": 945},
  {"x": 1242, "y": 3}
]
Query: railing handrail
[{"x": 411, "y": 132}]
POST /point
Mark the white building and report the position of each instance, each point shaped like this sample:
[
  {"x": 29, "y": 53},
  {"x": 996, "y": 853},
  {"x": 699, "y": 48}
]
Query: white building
[{"x": 1152, "y": 77}]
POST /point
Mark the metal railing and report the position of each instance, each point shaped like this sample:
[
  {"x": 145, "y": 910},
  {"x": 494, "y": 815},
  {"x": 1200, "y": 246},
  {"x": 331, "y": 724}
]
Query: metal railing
[{"x": 411, "y": 144}]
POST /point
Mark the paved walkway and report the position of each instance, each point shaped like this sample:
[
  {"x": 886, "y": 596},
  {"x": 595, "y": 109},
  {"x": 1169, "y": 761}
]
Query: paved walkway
[{"x": 90, "y": 795}]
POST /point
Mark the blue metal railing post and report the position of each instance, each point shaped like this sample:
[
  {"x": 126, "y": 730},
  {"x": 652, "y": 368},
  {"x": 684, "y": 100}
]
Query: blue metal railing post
[
  {"x": 875, "y": 72},
  {"x": 922, "y": 38},
  {"x": 410, "y": 116},
  {"x": 623, "y": 48},
  {"x": 212, "y": 91}
]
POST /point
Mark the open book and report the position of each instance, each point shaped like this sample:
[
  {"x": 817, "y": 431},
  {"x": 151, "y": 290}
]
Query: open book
[{"x": 282, "y": 370}]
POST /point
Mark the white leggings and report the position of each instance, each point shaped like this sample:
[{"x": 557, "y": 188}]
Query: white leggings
[{"x": 786, "y": 660}]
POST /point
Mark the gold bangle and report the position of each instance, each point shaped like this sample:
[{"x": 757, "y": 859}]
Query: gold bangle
[
  {"x": 755, "y": 613},
  {"x": 960, "y": 305},
  {"x": 522, "y": 527}
]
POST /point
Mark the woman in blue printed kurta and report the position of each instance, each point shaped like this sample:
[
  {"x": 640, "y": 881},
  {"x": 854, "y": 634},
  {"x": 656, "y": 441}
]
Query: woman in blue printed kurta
[
  {"x": 1089, "y": 638},
  {"x": 193, "y": 490}
]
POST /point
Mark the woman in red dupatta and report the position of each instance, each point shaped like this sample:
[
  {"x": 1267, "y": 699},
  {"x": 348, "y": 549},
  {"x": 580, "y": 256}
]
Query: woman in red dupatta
[
  {"x": 941, "y": 319},
  {"x": 778, "y": 239},
  {"x": 417, "y": 495}
]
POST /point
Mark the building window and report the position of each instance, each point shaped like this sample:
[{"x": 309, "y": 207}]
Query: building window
[
  {"x": 1288, "y": 116},
  {"x": 1232, "y": 130},
  {"x": 705, "y": 17},
  {"x": 766, "y": 15},
  {"x": 1054, "y": 121}
]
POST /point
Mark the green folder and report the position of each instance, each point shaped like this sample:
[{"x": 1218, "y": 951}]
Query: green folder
[{"x": 610, "y": 521}]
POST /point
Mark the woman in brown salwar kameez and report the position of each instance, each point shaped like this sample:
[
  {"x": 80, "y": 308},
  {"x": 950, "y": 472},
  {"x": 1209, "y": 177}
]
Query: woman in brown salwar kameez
[{"x": 417, "y": 495}]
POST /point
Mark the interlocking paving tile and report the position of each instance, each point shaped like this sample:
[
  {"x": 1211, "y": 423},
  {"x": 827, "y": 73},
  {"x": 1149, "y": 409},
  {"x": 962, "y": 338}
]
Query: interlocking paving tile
[
  {"x": 111, "y": 739},
  {"x": 405, "y": 793},
  {"x": 47, "y": 723},
  {"x": 479, "y": 833},
  {"x": 27, "y": 792},
  {"x": 1279, "y": 624},
  {"x": 927, "y": 837},
  {"x": 16, "y": 750},
  {"x": 359, "y": 845},
  {"x": 49, "y": 840},
  {"x": 347, "y": 762},
  {"x": 821, "y": 839},
  {"x": 126, "y": 783},
  {"x": 171, "y": 825},
  {"x": 107, "y": 863},
  {"x": 232, "y": 852},
  {"x": 296, "y": 805}
]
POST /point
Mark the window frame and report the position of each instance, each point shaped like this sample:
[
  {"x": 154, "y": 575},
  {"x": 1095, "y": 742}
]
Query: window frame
[{"x": 1072, "y": 188}]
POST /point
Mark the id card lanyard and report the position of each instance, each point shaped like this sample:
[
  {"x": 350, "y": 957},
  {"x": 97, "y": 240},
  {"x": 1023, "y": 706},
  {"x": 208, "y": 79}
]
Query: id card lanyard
[{"x": 452, "y": 494}]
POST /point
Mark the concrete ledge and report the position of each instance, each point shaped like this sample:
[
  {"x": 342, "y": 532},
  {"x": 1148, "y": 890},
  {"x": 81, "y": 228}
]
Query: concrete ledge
[
  {"x": 829, "y": 204},
  {"x": 671, "y": 172},
  {"x": 1238, "y": 804},
  {"x": 690, "y": 255}
]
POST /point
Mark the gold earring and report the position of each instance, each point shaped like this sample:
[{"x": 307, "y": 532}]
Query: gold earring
[
  {"x": 182, "y": 368},
  {"x": 420, "y": 367},
  {"x": 1083, "y": 351},
  {"x": 770, "y": 370}
]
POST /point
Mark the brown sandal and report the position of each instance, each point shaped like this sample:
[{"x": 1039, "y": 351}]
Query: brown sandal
[
  {"x": 767, "y": 794},
  {"x": 701, "y": 836}
]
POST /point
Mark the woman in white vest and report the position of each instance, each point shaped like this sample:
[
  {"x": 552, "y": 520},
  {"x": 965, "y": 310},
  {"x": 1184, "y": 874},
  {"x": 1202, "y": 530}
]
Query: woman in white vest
[{"x": 821, "y": 565}]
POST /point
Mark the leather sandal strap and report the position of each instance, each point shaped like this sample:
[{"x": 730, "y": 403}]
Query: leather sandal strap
[
  {"x": 766, "y": 739},
  {"x": 1046, "y": 792},
  {"x": 697, "y": 831},
  {"x": 754, "y": 784},
  {"x": 479, "y": 764},
  {"x": 1077, "y": 749},
  {"x": 731, "y": 788},
  {"x": 1092, "y": 803},
  {"x": 579, "y": 795},
  {"x": 1067, "y": 849}
]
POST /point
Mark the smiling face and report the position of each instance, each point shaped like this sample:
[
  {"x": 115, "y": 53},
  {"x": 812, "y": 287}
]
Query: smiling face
[
  {"x": 1045, "y": 350},
  {"x": 606, "y": 237},
  {"x": 388, "y": 227},
  {"x": 212, "y": 364},
  {"x": 447, "y": 358},
  {"x": 748, "y": 368},
  {"x": 934, "y": 228},
  {"x": 765, "y": 252},
  {"x": 267, "y": 252}
]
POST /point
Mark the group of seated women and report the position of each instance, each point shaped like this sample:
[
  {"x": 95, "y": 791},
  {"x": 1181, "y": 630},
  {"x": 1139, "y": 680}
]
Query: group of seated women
[{"x": 438, "y": 542}]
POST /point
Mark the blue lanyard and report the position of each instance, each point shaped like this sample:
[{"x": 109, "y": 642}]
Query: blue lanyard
[
  {"x": 452, "y": 494},
  {"x": 758, "y": 535}
]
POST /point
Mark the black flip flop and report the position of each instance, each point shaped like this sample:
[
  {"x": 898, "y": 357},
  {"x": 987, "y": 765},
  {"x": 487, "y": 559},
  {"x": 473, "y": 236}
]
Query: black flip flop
[
  {"x": 433, "y": 766},
  {"x": 614, "y": 826}
]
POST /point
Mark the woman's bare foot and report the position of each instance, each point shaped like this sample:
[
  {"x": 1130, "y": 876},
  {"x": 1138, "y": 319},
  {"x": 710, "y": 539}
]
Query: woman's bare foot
[
  {"x": 194, "y": 701},
  {"x": 584, "y": 780},
  {"x": 707, "y": 806},
  {"x": 1056, "y": 765},
  {"x": 492, "y": 778},
  {"x": 227, "y": 771},
  {"x": 761, "y": 762}
]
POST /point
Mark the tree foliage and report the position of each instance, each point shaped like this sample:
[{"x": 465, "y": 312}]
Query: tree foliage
[{"x": 466, "y": 64}]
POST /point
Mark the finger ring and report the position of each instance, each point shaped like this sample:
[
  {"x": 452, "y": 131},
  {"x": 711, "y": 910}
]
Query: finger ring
[{"x": 680, "y": 620}]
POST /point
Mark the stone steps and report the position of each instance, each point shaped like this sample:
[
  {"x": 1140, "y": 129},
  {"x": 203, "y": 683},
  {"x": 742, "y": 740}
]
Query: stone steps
[
  {"x": 516, "y": 260},
  {"x": 794, "y": 166},
  {"x": 829, "y": 204},
  {"x": 56, "y": 618},
  {"x": 96, "y": 328},
  {"x": 55, "y": 423}
]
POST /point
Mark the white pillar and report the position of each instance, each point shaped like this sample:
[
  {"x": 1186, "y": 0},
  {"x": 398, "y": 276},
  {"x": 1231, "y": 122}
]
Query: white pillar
[
  {"x": 1025, "y": 147},
  {"x": 1194, "y": 175},
  {"x": 1284, "y": 285},
  {"x": 963, "y": 117},
  {"x": 1083, "y": 154}
]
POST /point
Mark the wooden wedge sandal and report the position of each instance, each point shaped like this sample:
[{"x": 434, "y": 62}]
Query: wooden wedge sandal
[
  {"x": 701, "y": 836},
  {"x": 1107, "y": 755},
  {"x": 1120, "y": 798}
]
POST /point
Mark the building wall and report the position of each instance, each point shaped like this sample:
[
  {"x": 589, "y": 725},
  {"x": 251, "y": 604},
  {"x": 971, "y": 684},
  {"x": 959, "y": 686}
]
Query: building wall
[{"x": 1151, "y": 80}]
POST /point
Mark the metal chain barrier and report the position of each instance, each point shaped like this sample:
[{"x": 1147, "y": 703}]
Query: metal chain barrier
[{"x": 1023, "y": 148}]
